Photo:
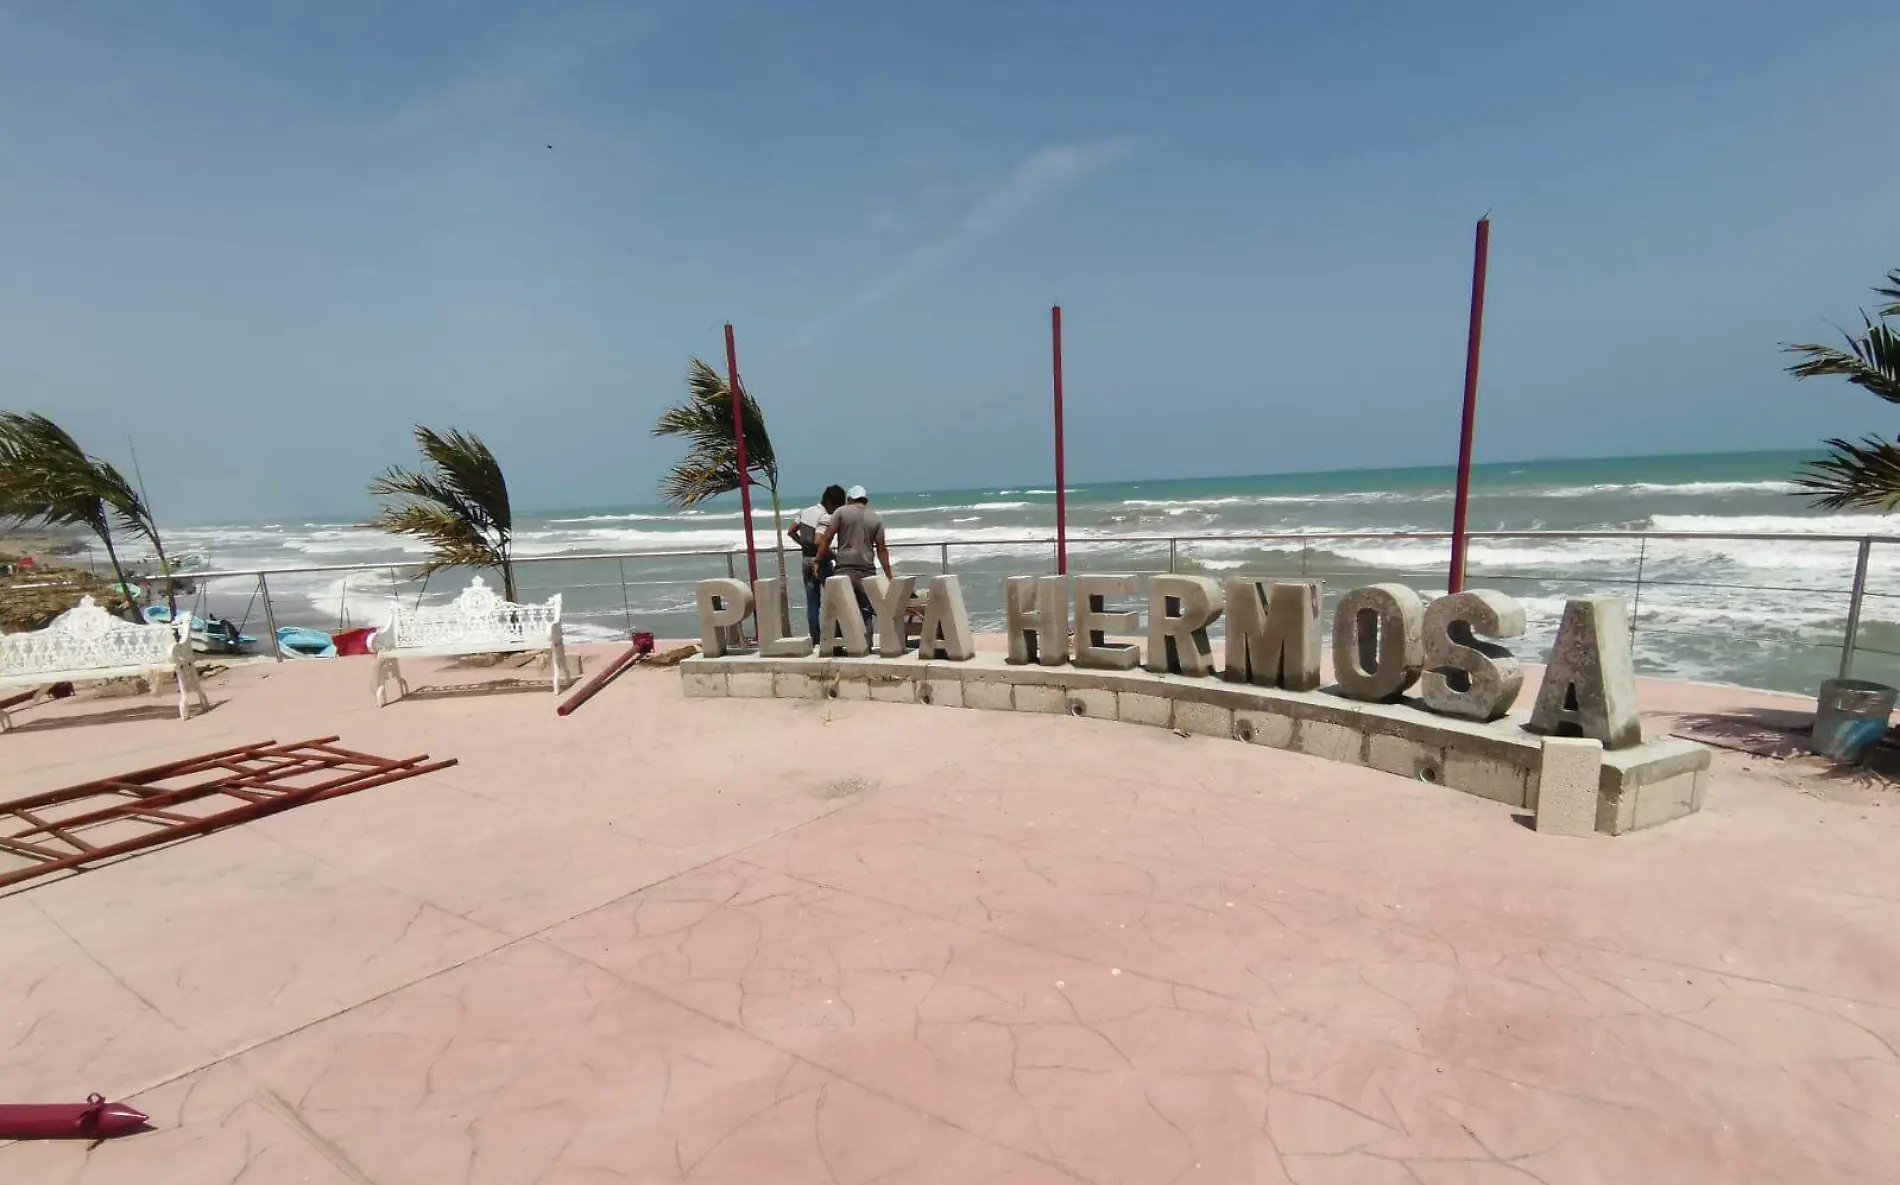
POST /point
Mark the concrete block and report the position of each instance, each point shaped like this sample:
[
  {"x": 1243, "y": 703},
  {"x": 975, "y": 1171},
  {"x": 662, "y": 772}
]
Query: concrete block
[
  {"x": 1489, "y": 776},
  {"x": 1405, "y": 757},
  {"x": 1093, "y": 702},
  {"x": 1207, "y": 720},
  {"x": 852, "y": 689},
  {"x": 1094, "y": 623},
  {"x": 1333, "y": 742},
  {"x": 1052, "y": 700},
  {"x": 1180, "y": 608},
  {"x": 793, "y": 685},
  {"x": 703, "y": 684},
  {"x": 1139, "y": 708},
  {"x": 1567, "y": 776},
  {"x": 1378, "y": 642},
  {"x": 1466, "y": 674},
  {"x": 890, "y": 597},
  {"x": 1589, "y": 684},
  {"x": 993, "y": 697},
  {"x": 749, "y": 685},
  {"x": 723, "y": 604},
  {"x": 942, "y": 693},
  {"x": 1264, "y": 728},
  {"x": 888, "y": 690},
  {"x": 1272, "y": 640},
  {"x": 1036, "y": 618},
  {"x": 840, "y": 624}
]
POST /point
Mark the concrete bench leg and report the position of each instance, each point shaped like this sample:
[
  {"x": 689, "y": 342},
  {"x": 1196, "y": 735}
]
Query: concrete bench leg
[
  {"x": 386, "y": 669},
  {"x": 188, "y": 688}
]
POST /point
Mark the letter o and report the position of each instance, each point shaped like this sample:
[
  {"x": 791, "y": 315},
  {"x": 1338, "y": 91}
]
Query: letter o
[{"x": 1378, "y": 642}]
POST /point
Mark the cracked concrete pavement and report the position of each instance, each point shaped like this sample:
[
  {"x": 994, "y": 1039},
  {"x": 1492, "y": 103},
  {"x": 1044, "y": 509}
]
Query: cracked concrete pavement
[{"x": 855, "y": 943}]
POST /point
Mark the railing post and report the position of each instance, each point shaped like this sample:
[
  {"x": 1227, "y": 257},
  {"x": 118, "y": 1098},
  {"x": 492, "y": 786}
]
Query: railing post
[
  {"x": 1306, "y": 547},
  {"x": 626, "y": 609},
  {"x": 1636, "y": 611},
  {"x": 943, "y": 558},
  {"x": 270, "y": 617},
  {"x": 732, "y": 572},
  {"x": 1172, "y": 543},
  {"x": 1853, "y": 609}
]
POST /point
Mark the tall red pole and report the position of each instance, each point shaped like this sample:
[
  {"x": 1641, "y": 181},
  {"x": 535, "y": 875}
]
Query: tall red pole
[
  {"x": 738, "y": 436},
  {"x": 1062, "y": 490},
  {"x": 1480, "y": 253}
]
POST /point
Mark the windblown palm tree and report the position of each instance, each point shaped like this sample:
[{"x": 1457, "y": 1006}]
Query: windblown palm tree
[
  {"x": 1864, "y": 474},
  {"x": 46, "y": 478},
  {"x": 711, "y": 464},
  {"x": 457, "y": 504}
]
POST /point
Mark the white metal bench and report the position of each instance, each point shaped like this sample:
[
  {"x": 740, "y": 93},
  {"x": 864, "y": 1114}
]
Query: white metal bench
[
  {"x": 86, "y": 643},
  {"x": 476, "y": 622}
]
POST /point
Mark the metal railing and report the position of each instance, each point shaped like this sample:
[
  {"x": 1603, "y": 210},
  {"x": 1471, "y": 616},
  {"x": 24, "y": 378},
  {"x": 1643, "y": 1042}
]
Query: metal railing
[{"x": 1657, "y": 575}]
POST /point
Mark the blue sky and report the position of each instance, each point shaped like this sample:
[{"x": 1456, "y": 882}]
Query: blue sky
[{"x": 266, "y": 239}]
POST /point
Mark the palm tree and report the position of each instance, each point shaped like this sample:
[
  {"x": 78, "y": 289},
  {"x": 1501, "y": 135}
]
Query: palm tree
[
  {"x": 457, "y": 504},
  {"x": 1864, "y": 474},
  {"x": 46, "y": 478},
  {"x": 711, "y": 464}
]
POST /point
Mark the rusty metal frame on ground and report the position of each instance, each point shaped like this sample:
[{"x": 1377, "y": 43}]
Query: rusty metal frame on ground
[{"x": 264, "y": 777}]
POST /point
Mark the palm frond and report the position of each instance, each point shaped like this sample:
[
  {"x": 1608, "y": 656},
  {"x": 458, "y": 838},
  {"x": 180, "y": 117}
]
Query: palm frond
[
  {"x": 45, "y": 477},
  {"x": 1870, "y": 361},
  {"x": 453, "y": 540},
  {"x": 1892, "y": 293},
  {"x": 456, "y": 503},
  {"x": 1863, "y": 476},
  {"x": 691, "y": 482},
  {"x": 124, "y": 502},
  {"x": 705, "y": 421}
]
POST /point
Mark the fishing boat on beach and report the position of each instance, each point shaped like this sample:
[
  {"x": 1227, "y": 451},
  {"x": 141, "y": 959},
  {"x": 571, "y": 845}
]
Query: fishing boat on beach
[
  {"x": 208, "y": 635},
  {"x": 294, "y": 641}
]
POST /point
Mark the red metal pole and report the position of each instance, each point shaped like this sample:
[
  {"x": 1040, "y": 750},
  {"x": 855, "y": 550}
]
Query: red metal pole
[
  {"x": 642, "y": 646},
  {"x": 1480, "y": 253},
  {"x": 1062, "y": 492},
  {"x": 738, "y": 434}
]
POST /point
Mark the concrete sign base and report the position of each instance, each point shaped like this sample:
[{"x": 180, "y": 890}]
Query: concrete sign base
[{"x": 1652, "y": 782}]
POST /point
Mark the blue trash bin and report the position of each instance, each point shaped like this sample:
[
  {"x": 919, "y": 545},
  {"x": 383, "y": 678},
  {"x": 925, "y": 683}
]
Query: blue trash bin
[{"x": 1850, "y": 717}]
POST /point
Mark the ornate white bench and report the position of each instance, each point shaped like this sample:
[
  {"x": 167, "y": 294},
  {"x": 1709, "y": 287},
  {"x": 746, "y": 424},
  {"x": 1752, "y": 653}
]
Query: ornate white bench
[
  {"x": 86, "y": 642},
  {"x": 476, "y": 622}
]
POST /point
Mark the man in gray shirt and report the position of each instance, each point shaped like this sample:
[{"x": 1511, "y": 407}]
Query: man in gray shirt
[{"x": 855, "y": 536}]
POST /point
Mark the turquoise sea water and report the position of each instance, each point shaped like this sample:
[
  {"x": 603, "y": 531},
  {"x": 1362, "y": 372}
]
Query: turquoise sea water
[{"x": 1765, "y": 612}]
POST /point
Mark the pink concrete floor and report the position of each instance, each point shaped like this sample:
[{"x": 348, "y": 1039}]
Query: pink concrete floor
[{"x": 755, "y": 941}]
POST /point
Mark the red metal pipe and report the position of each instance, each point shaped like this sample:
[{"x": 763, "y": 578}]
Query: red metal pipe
[
  {"x": 1480, "y": 254},
  {"x": 745, "y": 474},
  {"x": 94, "y": 1119},
  {"x": 1062, "y": 493},
  {"x": 642, "y": 646}
]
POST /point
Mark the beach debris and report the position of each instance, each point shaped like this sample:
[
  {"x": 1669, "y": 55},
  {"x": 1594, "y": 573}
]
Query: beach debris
[
  {"x": 262, "y": 778},
  {"x": 673, "y": 656},
  {"x": 94, "y": 1119}
]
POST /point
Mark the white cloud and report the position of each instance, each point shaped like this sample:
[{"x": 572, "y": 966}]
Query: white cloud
[{"x": 1038, "y": 179}]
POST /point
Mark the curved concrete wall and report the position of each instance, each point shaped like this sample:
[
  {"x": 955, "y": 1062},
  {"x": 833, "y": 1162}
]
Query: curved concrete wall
[{"x": 1654, "y": 782}]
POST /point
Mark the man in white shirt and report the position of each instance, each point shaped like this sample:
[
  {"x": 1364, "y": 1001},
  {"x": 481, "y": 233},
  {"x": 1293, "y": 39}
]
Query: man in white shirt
[{"x": 805, "y": 530}]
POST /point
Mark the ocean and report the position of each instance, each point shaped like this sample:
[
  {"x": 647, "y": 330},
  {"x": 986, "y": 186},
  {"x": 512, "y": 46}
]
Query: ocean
[{"x": 1766, "y": 612}]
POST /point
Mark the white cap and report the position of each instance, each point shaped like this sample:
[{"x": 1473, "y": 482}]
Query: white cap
[{"x": 857, "y": 494}]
